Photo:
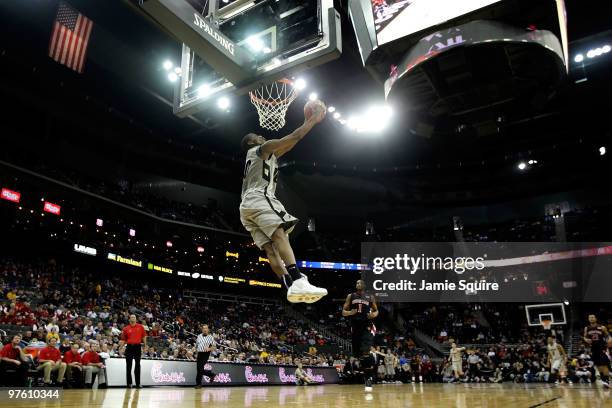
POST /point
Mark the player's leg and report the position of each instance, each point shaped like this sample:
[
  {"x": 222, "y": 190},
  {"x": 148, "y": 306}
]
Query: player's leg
[
  {"x": 264, "y": 242},
  {"x": 281, "y": 240},
  {"x": 276, "y": 263},
  {"x": 301, "y": 290},
  {"x": 604, "y": 373}
]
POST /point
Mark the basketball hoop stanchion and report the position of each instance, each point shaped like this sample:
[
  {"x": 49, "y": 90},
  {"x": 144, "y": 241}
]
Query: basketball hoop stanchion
[{"x": 272, "y": 102}]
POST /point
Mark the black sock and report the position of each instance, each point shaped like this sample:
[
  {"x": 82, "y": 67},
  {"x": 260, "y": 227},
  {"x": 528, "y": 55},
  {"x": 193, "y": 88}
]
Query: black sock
[
  {"x": 294, "y": 272},
  {"x": 287, "y": 281}
]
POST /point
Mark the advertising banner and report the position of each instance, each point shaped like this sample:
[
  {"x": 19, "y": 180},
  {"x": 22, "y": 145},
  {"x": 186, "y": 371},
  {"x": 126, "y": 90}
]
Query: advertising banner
[{"x": 173, "y": 372}]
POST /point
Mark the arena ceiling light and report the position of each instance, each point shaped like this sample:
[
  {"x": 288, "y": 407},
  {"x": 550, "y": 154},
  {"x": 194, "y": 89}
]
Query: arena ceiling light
[
  {"x": 255, "y": 43},
  {"x": 223, "y": 103},
  {"x": 172, "y": 77},
  {"x": 602, "y": 150},
  {"x": 522, "y": 166},
  {"x": 203, "y": 91},
  {"x": 373, "y": 120},
  {"x": 167, "y": 65},
  {"x": 299, "y": 84},
  {"x": 313, "y": 96},
  {"x": 331, "y": 109},
  {"x": 596, "y": 52}
]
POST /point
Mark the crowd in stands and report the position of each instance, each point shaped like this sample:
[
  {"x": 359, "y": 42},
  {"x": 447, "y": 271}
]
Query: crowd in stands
[
  {"x": 46, "y": 302},
  {"x": 69, "y": 321}
]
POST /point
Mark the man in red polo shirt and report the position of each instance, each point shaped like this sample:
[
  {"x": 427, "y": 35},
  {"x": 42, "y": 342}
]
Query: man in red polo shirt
[
  {"x": 13, "y": 358},
  {"x": 74, "y": 365},
  {"x": 133, "y": 334},
  {"x": 50, "y": 360},
  {"x": 93, "y": 365}
]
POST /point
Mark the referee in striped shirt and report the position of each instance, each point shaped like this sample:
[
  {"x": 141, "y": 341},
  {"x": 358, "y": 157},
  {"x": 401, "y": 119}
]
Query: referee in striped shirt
[{"x": 205, "y": 343}]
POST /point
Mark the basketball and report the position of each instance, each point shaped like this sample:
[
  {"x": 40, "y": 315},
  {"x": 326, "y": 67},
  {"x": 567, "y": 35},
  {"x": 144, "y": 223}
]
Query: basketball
[{"x": 313, "y": 107}]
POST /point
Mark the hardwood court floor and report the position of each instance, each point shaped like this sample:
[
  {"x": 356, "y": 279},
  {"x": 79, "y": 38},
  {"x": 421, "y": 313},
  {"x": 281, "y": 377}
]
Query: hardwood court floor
[{"x": 338, "y": 396}]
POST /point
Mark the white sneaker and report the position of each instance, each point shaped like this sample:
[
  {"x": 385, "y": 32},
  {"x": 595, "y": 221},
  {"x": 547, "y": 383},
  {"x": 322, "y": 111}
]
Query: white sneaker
[{"x": 302, "y": 291}]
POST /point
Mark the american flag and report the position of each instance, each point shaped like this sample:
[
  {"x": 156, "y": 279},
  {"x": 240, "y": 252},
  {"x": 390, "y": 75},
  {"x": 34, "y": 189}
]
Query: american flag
[{"x": 71, "y": 31}]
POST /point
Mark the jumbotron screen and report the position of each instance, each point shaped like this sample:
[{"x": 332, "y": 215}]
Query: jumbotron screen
[{"x": 398, "y": 18}]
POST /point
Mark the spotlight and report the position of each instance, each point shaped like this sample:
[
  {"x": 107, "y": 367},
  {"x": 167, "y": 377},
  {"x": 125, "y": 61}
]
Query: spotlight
[
  {"x": 566, "y": 302},
  {"x": 532, "y": 162},
  {"x": 337, "y": 115},
  {"x": 331, "y": 109},
  {"x": 200, "y": 249},
  {"x": 299, "y": 84},
  {"x": 204, "y": 91},
  {"x": 353, "y": 122},
  {"x": 522, "y": 166},
  {"x": 313, "y": 96},
  {"x": 172, "y": 77},
  {"x": 168, "y": 65},
  {"x": 132, "y": 232},
  {"x": 255, "y": 43},
  {"x": 606, "y": 48},
  {"x": 375, "y": 119},
  {"x": 602, "y": 150},
  {"x": 169, "y": 244},
  {"x": 99, "y": 222},
  {"x": 579, "y": 58},
  {"x": 223, "y": 103},
  {"x": 178, "y": 70}
]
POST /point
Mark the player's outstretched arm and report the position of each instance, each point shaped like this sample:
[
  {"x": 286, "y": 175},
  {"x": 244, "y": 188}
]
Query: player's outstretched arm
[{"x": 281, "y": 146}]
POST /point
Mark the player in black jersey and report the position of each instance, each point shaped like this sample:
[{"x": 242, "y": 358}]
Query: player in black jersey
[
  {"x": 596, "y": 336},
  {"x": 361, "y": 309}
]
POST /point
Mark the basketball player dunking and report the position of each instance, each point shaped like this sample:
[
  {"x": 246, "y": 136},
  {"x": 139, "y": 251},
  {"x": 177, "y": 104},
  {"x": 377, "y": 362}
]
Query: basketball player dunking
[
  {"x": 361, "y": 309},
  {"x": 596, "y": 336},
  {"x": 264, "y": 216}
]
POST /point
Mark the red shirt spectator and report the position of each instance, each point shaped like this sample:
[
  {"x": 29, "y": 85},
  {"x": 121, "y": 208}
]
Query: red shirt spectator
[
  {"x": 71, "y": 357},
  {"x": 9, "y": 352},
  {"x": 49, "y": 353},
  {"x": 155, "y": 331},
  {"x": 90, "y": 357},
  {"x": 133, "y": 334}
]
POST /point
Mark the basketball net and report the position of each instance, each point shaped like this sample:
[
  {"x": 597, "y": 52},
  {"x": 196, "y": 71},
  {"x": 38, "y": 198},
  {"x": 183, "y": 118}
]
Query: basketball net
[
  {"x": 272, "y": 102},
  {"x": 546, "y": 324}
]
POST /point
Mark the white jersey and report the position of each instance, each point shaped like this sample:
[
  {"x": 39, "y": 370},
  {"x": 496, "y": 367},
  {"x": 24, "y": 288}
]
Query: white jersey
[
  {"x": 554, "y": 352},
  {"x": 260, "y": 176},
  {"x": 456, "y": 354}
]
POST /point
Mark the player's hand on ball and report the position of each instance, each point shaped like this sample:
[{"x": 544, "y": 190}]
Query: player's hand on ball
[
  {"x": 314, "y": 111},
  {"x": 320, "y": 114}
]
